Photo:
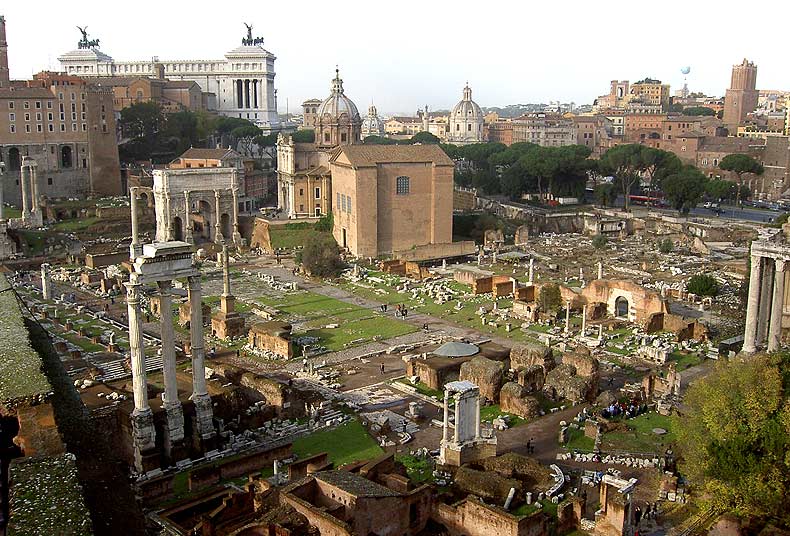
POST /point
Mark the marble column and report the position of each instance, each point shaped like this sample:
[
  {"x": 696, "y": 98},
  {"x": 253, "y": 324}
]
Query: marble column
[
  {"x": 175, "y": 415},
  {"x": 218, "y": 238},
  {"x": 24, "y": 181},
  {"x": 135, "y": 249},
  {"x": 168, "y": 218},
  {"x": 584, "y": 320},
  {"x": 531, "y": 270},
  {"x": 600, "y": 270},
  {"x": 34, "y": 202},
  {"x": 46, "y": 288},
  {"x": 764, "y": 307},
  {"x": 777, "y": 307},
  {"x": 753, "y": 302},
  {"x": 235, "y": 215},
  {"x": 446, "y": 427},
  {"x": 2, "y": 185},
  {"x": 568, "y": 317},
  {"x": 457, "y": 431},
  {"x": 144, "y": 434},
  {"x": 187, "y": 224},
  {"x": 477, "y": 417},
  {"x": 200, "y": 396}
]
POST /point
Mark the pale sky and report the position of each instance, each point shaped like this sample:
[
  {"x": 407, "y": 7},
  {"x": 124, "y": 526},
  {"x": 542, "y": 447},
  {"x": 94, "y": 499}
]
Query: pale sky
[{"x": 405, "y": 53}]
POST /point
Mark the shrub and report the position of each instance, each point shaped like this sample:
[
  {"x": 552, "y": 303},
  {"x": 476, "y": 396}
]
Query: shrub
[
  {"x": 665, "y": 246},
  {"x": 702, "y": 285},
  {"x": 320, "y": 255},
  {"x": 549, "y": 298},
  {"x": 599, "y": 242}
]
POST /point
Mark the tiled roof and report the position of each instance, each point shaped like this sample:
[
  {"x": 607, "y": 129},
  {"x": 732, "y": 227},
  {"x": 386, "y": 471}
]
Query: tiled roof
[
  {"x": 371, "y": 155},
  {"x": 209, "y": 154}
]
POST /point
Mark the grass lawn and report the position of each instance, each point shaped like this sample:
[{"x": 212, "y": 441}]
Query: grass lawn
[
  {"x": 347, "y": 443},
  {"x": 640, "y": 436},
  {"x": 684, "y": 360},
  {"x": 420, "y": 470},
  {"x": 489, "y": 413},
  {"x": 526, "y": 509},
  {"x": 70, "y": 226},
  {"x": 33, "y": 239},
  {"x": 356, "y": 324},
  {"x": 291, "y": 235},
  {"x": 11, "y": 212},
  {"x": 423, "y": 389},
  {"x": 578, "y": 441}
]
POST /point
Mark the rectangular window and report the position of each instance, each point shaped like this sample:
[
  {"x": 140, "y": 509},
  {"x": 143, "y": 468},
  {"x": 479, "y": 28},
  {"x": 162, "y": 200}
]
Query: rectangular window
[
  {"x": 51, "y": 127},
  {"x": 402, "y": 186},
  {"x": 10, "y": 105},
  {"x": 301, "y": 191},
  {"x": 49, "y": 116},
  {"x": 12, "y": 117},
  {"x": 49, "y": 105},
  {"x": 318, "y": 193},
  {"x": 12, "y": 128},
  {"x": 84, "y": 127},
  {"x": 74, "y": 127},
  {"x": 38, "y": 105},
  {"x": 63, "y": 127},
  {"x": 337, "y": 201},
  {"x": 27, "y": 105},
  {"x": 39, "y": 128},
  {"x": 38, "y": 116},
  {"x": 348, "y": 205},
  {"x": 27, "y": 117},
  {"x": 27, "y": 129},
  {"x": 49, "y": 181}
]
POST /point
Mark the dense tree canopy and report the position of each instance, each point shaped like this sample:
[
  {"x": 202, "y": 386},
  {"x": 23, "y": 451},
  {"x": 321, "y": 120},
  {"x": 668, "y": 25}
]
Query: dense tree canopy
[
  {"x": 549, "y": 298},
  {"x": 740, "y": 164},
  {"x": 699, "y": 110},
  {"x": 320, "y": 256},
  {"x": 605, "y": 194},
  {"x": 734, "y": 437},
  {"x": 631, "y": 162},
  {"x": 304, "y": 136},
  {"x": 703, "y": 285},
  {"x": 685, "y": 188}
]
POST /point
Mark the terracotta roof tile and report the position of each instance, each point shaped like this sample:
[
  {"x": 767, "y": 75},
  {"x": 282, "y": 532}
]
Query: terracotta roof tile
[{"x": 371, "y": 155}]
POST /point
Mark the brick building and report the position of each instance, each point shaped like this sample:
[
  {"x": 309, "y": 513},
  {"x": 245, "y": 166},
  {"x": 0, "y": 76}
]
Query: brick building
[
  {"x": 501, "y": 131},
  {"x": 389, "y": 198},
  {"x": 742, "y": 96},
  {"x": 547, "y": 130}
]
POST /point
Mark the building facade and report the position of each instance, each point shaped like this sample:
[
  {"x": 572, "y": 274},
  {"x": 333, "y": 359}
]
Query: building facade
[
  {"x": 546, "y": 130},
  {"x": 742, "y": 96},
  {"x": 242, "y": 82},
  {"x": 66, "y": 125},
  {"x": 390, "y": 198},
  {"x": 466, "y": 121},
  {"x": 372, "y": 125}
]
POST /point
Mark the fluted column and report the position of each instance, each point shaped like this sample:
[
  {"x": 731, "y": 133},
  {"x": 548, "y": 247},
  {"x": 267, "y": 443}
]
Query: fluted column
[
  {"x": 218, "y": 238},
  {"x": 477, "y": 417},
  {"x": 34, "y": 202},
  {"x": 200, "y": 397},
  {"x": 584, "y": 320},
  {"x": 568, "y": 316},
  {"x": 764, "y": 307},
  {"x": 752, "y": 306},
  {"x": 143, "y": 432},
  {"x": 246, "y": 93},
  {"x": 24, "y": 181},
  {"x": 446, "y": 427},
  {"x": 175, "y": 415},
  {"x": 777, "y": 307},
  {"x": 457, "y": 431},
  {"x": 187, "y": 224},
  {"x": 531, "y": 270},
  {"x": 235, "y": 224},
  {"x": 134, "y": 249}
]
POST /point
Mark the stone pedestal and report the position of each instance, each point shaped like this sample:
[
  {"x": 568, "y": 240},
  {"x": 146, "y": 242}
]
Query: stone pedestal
[
  {"x": 146, "y": 457},
  {"x": 227, "y": 326}
]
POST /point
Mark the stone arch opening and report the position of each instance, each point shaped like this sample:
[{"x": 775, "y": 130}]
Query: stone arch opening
[
  {"x": 224, "y": 224},
  {"x": 178, "y": 231},
  {"x": 203, "y": 223},
  {"x": 14, "y": 161},
  {"x": 621, "y": 307},
  {"x": 66, "y": 157}
]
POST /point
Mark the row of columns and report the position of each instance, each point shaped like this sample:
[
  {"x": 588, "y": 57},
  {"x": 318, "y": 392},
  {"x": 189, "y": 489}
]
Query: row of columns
[
  {"x": 144, "y": 434},
  {"x": 765, "y": 306},
  {"x": 458, "y": 416},
  {"x": 250, "y": 93},
  {"x": 31, "y": 211}
]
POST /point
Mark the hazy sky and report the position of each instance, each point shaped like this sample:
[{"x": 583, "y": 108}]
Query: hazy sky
[{"x": 406, "y": 53}]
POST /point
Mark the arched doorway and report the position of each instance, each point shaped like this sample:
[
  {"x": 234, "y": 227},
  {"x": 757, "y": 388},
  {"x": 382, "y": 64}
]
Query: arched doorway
[
  {"x": 178, "y": 233},
  {"x": 621, "y": 307},
  {"x": 203, "y": 223},
  {"x": 66, "y": 158},
  {"x": 14, "y": 162},
  {"x": 224, "y": 224}
]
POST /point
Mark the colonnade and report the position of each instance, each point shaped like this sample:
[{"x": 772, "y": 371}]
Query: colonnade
[
  {"x": 765, "y": 306},
  {"x": 28, "y": 181},
  {"x": 250, "y": 93}
]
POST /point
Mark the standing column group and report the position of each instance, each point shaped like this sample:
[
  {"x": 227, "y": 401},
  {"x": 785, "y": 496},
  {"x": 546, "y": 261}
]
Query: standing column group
[
  {"x": 765, "y": 306},
  {"x": 249, "y": 93},
  {"x": 170, "y": 402}
]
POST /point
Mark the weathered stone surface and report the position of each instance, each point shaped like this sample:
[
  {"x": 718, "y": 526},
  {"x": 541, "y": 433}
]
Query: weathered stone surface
[
  {"x": 563, "y": 382},
  {"x": 582, "y": 361},
  {"x": 513, "y": 398},
  {"x": 487, "y": 485},
  {"x": 528, "y": 354},
  {"x": 484, "y": 373},
  {"x": 532, "y": 378}
]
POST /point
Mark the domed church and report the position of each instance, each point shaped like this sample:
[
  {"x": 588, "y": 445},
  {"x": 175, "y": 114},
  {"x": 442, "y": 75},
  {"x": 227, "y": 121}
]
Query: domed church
[
  {"x": 372, "y": 125},
  {"x": 466, "y": 121},
  {"x": 337, "y": 120}
]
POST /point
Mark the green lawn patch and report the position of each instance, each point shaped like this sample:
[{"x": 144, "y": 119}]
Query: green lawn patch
[
  {"x": 33, "y": 239},
  {"x": 420, "y": 470},
  {"x": 290, "y": 235},
  {"x": 578, "y": 441},
  {"x": 640, "y": 436},
  {"x": 11, "y": 212},
  {"x": 489, "y": 413},
  {"x": 70, "y": 226},
  {"x": 347, "y": 443},
  {"x": 684, "y": 360}
]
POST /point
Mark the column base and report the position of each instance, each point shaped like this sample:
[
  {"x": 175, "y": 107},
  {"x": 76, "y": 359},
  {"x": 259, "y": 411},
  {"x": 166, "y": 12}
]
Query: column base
[
  {"x": 146, "y": 457},
  {"x": 203, "y": 431}
]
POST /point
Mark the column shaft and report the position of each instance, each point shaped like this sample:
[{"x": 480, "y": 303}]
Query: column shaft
[
  {"x": 170, "y": 395},
  {"x": 194, "y": 295},
  {"x": 457, "y": 431},
  {"x": 133, "y": 248},
  {"x": 23, "y": 182},
  {"x": 764, "y": 306},
  {"x": 187, "y": 223},
  {"x": 446, "y": 427},
  {"x": 34, "y": 188},
  {"x": 477, "y": 417},
  {"x": 218, "y": 238},
  {"x": 777, "y": 308},
  {"x": 137, "y": 348},
  {"x": 753, "y": 302}
]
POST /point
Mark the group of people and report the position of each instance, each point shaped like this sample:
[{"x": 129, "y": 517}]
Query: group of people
[
  {"x": 630, "y": 410},
  {"x": 400, "y": 310}
]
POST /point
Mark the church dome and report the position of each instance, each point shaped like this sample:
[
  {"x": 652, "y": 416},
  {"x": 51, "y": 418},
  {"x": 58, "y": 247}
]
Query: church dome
[
  {"x": 466, "y": 121},
  {"x": 337, "y": 104},
  {"x": 466, "y": 109},
  {"x": 372, "y": 125}
]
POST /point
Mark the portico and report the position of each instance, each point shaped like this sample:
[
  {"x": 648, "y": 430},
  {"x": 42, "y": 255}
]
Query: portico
[{"x": 767, "y": 296}]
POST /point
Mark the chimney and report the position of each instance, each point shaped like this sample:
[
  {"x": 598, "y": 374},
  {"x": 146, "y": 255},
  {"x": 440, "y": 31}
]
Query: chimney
[{"x": 4, "y": 75}]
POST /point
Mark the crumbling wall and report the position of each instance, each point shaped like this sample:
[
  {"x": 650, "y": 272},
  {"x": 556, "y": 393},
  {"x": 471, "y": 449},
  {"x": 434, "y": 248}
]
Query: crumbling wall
[
  {"x": 513, "y": 398},
  {"x": 526, "y": 354},
  {"x": 261, "y": 238},
  {"x": 486, "y": 374},
  {"x": 564, "y": 383},
  {"x": 487, "y": 485},
  {"x": 582, "y": 361},
  {"x": 531, "y": 378}
]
